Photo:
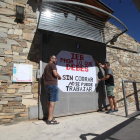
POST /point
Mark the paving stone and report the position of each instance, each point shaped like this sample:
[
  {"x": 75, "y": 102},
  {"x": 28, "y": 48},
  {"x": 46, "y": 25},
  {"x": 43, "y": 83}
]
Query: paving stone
[
  {"x": 26, "y": 50},
  {"x": 23, "y": 115},
  {"x": 18, "y": 60},
  {"x": 13, "y": 7},
  {"x": 27, "y": 96},
  {"x": 9, "y": 1},
  {"x": 15, "y": 53},
  {"x": 1, "y": 107},
  {"x": 18, "y": 32},
  {"x": 35, "y": 90},
  {"x": 15, "y": 107},
  {"x": 21, "y": 1},
  {"x": 6, "y": 25},
  {"x": 3, "y": 40},
  {"x": 6, "y": 11},
  {"x": 1, "y": 51},
  {"x": 11, "y": 91},
  {"x": 3, "y": 102},
  {"x": 11, "y": 31},
  {"x": 8, "y": 20},
  {"x": 7, "y": 99},
  {"x": 17, "y": 49},
  {"x": 2, "y": 34},
  {"x": 29, "y": 44},
  {"x": 7, "y": 117},
  {"x": 14, "y": 103},
  {"x": 4, "y": 78},
  {"x": 7, "y": 59},
  {"x": 5, "y": 121},
  {"x": 11, "y": 36},
  {"x": 19, "y": 57},
  {"x": 13, "y": 86},
  {"x": 3, "y": 30},
  {"x": 18, "y": 98},
  {"x": 3, "y": 63},
  {"x": 5, "y": 46},
  {"x": 28, "y": 36},
  {"x": 2, "y": 4},
  {"x": 12, "y": 42},
  {"x": 19, "y": 119},
  {"x": 36, "y": 95},
  {"x": 15, "y": 26},
  {"x": 8, "y": 52},
  {"x": 18, "y": 110},
  {"x": 29, "y": 102}
]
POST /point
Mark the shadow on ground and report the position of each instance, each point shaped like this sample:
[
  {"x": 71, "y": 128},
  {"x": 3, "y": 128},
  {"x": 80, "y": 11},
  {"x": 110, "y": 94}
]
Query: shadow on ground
[{"x": 128, "y": 130}]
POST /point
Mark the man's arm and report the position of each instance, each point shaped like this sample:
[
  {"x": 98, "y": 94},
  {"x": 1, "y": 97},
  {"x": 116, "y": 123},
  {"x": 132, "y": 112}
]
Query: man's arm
[
  {"x": 56, "y": 74},
  {"x": 105, "y": 78},
  {"x": 99, "y": 63}
]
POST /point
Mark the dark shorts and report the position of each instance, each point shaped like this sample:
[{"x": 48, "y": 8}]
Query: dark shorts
[{"x": 52, "y": 93}]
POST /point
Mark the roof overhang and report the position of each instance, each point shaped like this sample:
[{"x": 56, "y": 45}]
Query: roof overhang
[
  {"x": 137, "y": 4},
  {"x": 80, "y": 20}
]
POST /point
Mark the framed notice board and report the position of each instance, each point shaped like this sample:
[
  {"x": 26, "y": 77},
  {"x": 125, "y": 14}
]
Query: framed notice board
[{"x": 22, "y": 73}]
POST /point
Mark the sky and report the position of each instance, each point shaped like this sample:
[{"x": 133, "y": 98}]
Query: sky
[{"x": 127, "y": 12}]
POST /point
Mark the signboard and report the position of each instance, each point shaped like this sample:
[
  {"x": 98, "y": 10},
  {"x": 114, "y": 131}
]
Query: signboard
[
  {"x": 77, "y": 71},
  {"x": 22, "y": 73}
]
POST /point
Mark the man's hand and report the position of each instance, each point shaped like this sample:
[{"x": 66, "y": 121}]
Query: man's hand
[
  {"x": 99, "y": 80},
  {"x": 100, "y": 64},
  {"x": 59, "y": 78}
]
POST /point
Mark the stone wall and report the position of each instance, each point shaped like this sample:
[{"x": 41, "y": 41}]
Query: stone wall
[
  {"x": 123, "y": 41},
  {"x": 19, "y": 43},
  {"x": 126, "y": 66}
]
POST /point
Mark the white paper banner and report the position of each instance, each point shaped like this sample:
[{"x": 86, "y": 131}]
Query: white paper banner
[
  {"x": 78, "y": 72},
  {"x": 22, "y": 73}
]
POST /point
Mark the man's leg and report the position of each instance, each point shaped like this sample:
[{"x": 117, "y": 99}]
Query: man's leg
[
  {"x": 50, "y": 110},
  {"x": 114, "y": 102},
  {"x": 48, "y": 103},
  {"x": 110, "y": 102}
]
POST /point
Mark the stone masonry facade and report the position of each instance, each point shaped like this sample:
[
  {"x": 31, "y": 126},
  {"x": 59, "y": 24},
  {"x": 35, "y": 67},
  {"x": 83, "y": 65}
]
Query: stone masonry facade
[
  {"x": 126, "y": 66},
  {"x": 20, "y": 42}
]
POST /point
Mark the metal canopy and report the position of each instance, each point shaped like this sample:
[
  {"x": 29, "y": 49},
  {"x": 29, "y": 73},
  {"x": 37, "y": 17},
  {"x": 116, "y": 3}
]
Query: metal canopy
[{"x": 79, "y": 20}]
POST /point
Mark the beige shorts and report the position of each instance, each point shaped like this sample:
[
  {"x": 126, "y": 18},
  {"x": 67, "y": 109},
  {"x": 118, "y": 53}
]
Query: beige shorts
[{"x": 109, "y": 90}]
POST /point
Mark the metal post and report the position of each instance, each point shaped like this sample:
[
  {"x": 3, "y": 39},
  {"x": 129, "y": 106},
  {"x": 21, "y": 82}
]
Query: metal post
[
  {"x": 136, "y": 96},
  {"x": 125, "y": 103},
  {"x": 40, "y": 78}
]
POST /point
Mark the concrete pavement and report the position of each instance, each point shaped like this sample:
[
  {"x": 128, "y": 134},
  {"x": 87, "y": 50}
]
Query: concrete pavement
[
  {"x": 70, "y": 128},
  {"x": 90, "y": 126}
]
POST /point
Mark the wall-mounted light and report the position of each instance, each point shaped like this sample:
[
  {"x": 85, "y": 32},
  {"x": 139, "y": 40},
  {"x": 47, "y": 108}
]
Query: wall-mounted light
[
  {"x": 78, "y": 46},
  {"x": 66, "y": 15},
  {"x": 19, "y": 13},
  {"x": 115, "y": 37},
  {"x": 48, "y": 13},
  {"x": 76, "y": 18}
]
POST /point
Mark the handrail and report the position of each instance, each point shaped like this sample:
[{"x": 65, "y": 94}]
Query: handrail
[
  {"x": 130, "y": 81},
  {"x": 136, "y": 98}
]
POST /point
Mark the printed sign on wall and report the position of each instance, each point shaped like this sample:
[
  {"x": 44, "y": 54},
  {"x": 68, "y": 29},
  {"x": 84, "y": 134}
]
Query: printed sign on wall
[
  {"x": 22, "y": 73},
  {"x": 77, "y": 71}
]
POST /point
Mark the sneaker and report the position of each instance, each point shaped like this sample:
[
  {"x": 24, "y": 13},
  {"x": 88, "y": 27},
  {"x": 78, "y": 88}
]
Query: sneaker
[
  {"x": 99, "y": 110},
  {"x": 106, "y": 109},
  {"x": 115, "y": 110},
  {"x": 110, "y": 111}
]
